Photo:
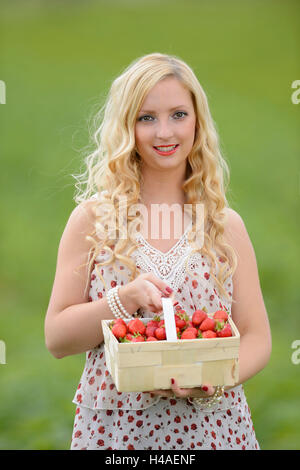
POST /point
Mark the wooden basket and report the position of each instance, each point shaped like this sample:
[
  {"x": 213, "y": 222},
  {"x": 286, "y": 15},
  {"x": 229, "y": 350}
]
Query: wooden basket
[{"x": 146, "y": 366}]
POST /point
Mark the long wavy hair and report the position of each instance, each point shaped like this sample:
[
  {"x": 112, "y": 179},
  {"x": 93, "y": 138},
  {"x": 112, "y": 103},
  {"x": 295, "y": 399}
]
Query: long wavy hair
[{"x": 113, "y": 170}]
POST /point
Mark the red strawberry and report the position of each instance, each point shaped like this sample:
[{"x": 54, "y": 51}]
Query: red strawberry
[
  {"x": 136, "y": 326},
  {"x": 137, "y": 339},
  {"x": 129, "y": 336},
  {"x": 209, "y": 334},
  {"x": 181, "y": 319},
  {"x": 151, "y": 338},
  {"x": 119, "y": 320},
  {"x": 198, "y": 317},
  {"x": 180, "y": 323},
  {"x": 207, "y": 324},
  {"x": 188, "y": 334},
  {"x": 153, "y": 323},
  {"x": 221, "y": 315},
  {"x": 150, "y": 330},
  {"x": 225, "y": 332},
  {"x": 162, "y": 322},
  {"x": 193, "y": 329},
  {"x": 160, "y": 333},
  {"x": 119, "y": 330}
]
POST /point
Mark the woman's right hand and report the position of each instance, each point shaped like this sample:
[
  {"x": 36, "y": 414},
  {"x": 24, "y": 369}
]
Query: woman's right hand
[{"x": 146, "y": 292}]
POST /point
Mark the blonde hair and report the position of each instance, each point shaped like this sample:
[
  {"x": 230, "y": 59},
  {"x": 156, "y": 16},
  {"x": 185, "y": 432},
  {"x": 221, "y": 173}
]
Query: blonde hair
[{"x": 114, "y": 167}]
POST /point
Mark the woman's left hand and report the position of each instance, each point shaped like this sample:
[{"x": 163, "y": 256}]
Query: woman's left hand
[{"x": 204, "y": 391}]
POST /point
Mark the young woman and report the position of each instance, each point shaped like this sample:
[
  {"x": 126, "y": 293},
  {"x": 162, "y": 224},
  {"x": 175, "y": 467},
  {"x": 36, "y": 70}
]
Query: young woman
[{"x": 156, "y": 147}]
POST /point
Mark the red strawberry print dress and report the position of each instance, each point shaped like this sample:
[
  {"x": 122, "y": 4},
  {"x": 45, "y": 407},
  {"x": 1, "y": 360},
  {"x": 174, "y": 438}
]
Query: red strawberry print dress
[{"x": 108, "y": 419}]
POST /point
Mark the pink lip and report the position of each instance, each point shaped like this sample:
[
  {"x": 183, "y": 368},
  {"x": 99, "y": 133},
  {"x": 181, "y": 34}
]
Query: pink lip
[{"x": 167, "y": 153}]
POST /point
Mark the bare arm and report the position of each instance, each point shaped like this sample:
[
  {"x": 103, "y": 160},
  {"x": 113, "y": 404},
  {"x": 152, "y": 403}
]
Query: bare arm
[
  {"x": 72, "y": 323},
  {"x": 248, "y": 312}
]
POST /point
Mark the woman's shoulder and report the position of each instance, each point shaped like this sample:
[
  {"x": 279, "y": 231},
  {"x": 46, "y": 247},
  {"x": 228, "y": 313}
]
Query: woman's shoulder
[
  {"x": 234, "y": 225},
  {"x": 236, "y": 234},
  {"x": 85, "y": 211},
  {"x": 81, "y": 223}
]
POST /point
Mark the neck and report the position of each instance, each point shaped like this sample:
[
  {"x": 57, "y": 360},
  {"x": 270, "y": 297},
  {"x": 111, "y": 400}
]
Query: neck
[{"x": 163, "y": 188}]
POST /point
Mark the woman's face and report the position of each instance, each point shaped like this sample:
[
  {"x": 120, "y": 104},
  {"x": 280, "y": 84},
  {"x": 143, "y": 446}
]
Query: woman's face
[{"x": 166, "y": 119}]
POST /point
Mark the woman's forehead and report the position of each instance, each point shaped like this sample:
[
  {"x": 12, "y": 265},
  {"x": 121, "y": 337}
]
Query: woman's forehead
[{"x": 168, "y": 94}]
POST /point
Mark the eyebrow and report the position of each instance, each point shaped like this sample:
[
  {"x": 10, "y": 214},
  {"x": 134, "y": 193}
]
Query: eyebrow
[{"x": 172, "y": 109}]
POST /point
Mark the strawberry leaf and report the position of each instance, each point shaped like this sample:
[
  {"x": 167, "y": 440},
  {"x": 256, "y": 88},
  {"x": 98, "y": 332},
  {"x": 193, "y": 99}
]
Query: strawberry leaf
[{"x": 124, "y": 340}]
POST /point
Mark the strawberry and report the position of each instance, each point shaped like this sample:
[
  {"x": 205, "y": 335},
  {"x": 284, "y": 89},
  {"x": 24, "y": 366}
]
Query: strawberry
[
  {"x": 179, "y": 322},
  {"x": 151, "y": 338},
  {"x": 193, "y": 329},
  {"x": 161, "y": 323},
  {"x": 136, "y": 326},
  {"x": 209, "y": 334},
  {"x": 225, "y": 332},
  {"x": 137, "y": 339},
  {"x": 153, "y": 322},
  {"x": 150, "y": 330},
  {"x": 117, "y": 321},
  {"x": 219, "y": 325},
  {"x": 160, "y": 333},
  {"x": 120, "y": 320},
  {"x": 119, "y": 330},
  {"x": 207, "y": 324},
  {"x": 188, "y": 334},
  {"x": 198, "y": 317},
  {"x": 126, "y": 339},
  {"x": 181, "y": 319},
  {"x": 220, "y": 315}
]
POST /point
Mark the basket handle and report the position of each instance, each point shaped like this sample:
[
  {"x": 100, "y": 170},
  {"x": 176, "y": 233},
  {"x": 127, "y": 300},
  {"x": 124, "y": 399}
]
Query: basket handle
[{"x": 169, "y": 318}]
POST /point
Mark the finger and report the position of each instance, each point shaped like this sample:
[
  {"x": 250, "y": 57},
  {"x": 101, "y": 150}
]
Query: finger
[
  {"x": 154, "y": 298},
  {"x": 179, "y": 392},
  {"x": 208, "y": 389},
  {"x": 161, "y": 285},
  {"x": 164, "y": 393}
]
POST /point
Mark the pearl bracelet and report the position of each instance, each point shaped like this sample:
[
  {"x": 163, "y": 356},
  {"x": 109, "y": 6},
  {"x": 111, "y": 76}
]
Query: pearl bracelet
[
  {"x": 210, "y": 401},
  {"x": 117, "y": 298},
  {"x": 112, "y": 300},
  {"x": 112, "y": 304}
]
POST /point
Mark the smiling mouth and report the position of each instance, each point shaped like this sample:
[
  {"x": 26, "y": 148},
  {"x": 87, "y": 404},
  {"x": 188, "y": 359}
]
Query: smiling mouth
[{"x": 166, "y": 149}]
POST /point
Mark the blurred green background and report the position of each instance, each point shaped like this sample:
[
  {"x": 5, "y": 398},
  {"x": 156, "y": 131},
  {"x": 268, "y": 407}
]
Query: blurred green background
[{"x": 58, "y": 59}]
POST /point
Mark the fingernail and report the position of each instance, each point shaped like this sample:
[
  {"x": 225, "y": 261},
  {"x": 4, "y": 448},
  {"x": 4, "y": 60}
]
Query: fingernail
[
  {"x": 169, "y": 290},
  {"x": 205, "y": 388},
  {"x": 172, "y": 381}
]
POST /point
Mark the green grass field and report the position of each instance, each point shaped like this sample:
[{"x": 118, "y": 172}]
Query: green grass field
[{"x": 58, "y": 60}]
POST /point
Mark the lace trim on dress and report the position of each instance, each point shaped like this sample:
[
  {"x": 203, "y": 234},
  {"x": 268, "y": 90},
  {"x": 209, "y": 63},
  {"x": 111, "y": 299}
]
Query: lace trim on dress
[{"x": 168, "y": 266}]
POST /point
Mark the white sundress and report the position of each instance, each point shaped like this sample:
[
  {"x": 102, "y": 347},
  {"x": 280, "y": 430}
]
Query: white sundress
[{"x": 108, "y": 419}]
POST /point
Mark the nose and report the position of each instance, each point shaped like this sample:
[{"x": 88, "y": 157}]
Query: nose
[{"x": 164, "y": 130}]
